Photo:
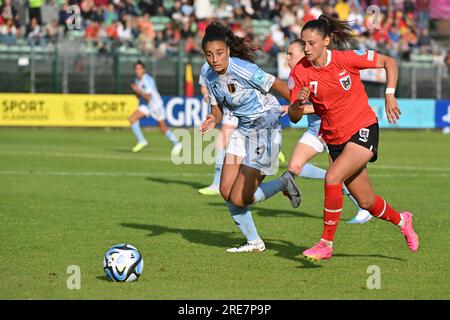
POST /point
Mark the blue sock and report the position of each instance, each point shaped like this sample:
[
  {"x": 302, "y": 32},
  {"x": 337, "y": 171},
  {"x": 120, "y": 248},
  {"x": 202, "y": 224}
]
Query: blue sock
[
  {"x": 169, "y": 135},
  {"x": 268, "y": 189},
  {"x": 349, "y": 195},
  {"x": 244, "y": 221},
  {"x": 220, "y": 155},
  {"x": 138, "y": 132},
  {"x": 312, "y": 172}
]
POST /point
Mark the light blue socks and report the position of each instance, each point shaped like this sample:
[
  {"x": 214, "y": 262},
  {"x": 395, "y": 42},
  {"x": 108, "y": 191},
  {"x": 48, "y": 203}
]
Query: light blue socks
[
  {"x": 138, "y": 132},
  {"x": 268, "y": 189},
  {"x": 312, "y": 172},
  {"x": 171, "y": 137},
  {"x": 244, "y": 220},
  {"x": 220, "y": 155}
]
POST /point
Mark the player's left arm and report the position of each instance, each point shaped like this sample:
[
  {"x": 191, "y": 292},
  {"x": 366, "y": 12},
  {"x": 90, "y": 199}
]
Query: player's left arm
[
  {"x": 281, "y": 87},
  {"x": 140, "y": 93},
  {"x": 390, "y": 65}
]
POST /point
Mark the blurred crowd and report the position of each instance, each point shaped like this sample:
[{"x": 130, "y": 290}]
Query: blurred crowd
[{"x": 400, "y": 28}]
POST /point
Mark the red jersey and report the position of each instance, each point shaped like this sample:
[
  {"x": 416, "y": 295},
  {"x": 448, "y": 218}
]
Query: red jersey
[{"x": 337, "y": 93}]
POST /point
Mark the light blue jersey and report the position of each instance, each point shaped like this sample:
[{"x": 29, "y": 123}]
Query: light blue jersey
[
  {"x": 201, "y": 78},
  {"x": 148, "y": 86},
  {"x": 244, "y": 90},
  {"x": 313, "y": 124}
]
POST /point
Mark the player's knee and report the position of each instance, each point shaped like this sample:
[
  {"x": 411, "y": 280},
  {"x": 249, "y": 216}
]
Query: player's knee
[
  {"x": 295, "y": 169},
  {"x": 237, "y": 200},
  {"x": 333, "y": 177},
  {"x": 366, "y": 203}
]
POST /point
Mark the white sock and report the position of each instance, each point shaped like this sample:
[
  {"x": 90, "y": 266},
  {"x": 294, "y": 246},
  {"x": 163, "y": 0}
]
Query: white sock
[
  {"x": 401, "y": 224},
  {"x": 329, "y": 243}
]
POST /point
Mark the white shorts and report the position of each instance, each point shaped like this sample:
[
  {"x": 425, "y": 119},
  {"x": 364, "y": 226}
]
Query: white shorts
[
  {"x": 157, "y": 112},
  {"x": 312, "y": 141},
  {"x": 259, "y": 148},
  {"x": 229, "y": 119}
]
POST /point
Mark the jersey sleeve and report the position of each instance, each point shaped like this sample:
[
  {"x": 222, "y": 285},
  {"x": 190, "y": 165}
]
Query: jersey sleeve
[
  {"x": 360, "y": 59},
  {"x": 254, "y": 75},
  {"x": 295, "y": 84},
  {"x": 149, "y": 85},
  {"x": 201, "y": 78},
  {"x": 212, "y": 98}
]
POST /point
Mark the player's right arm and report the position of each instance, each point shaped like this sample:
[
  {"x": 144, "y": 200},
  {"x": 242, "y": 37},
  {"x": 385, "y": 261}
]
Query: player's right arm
[
  {"x": 299, "y": 94},
  {"x": 204, "y": 91},
  {"x": 212, "y": 118},
  {"x": 216, "y": 113},
  {"x": 140, "y": 93}
]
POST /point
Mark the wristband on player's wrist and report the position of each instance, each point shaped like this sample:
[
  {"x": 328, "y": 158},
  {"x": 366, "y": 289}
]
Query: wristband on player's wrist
[{"x": 390, "y": 91}]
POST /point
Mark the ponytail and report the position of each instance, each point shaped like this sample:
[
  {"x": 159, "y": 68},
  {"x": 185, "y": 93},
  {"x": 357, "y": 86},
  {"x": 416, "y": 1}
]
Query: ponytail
[
  {"x": 340, "y": 32},
  {"x": 239, "y": 47}
]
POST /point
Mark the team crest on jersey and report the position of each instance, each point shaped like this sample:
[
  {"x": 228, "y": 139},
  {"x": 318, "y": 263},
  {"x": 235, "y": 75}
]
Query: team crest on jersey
[
  {"x": 345, "y": 80},
  {"x": 231, "y": 88},
  {"x": 291, "y": 83}
]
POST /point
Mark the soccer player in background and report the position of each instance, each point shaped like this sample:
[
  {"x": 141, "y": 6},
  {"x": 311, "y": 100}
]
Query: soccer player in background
[
  {"x": 150, "y": 104},
  {"x": 309, "y": 145},
  {"x": 235, "y": 82},
  {"x": 229, "y": 123},
  {"x": 330, "y": 79}
]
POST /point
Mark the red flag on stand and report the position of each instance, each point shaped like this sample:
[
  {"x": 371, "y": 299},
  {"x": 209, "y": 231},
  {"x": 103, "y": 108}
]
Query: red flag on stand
[{"x": 189, "y": 81}]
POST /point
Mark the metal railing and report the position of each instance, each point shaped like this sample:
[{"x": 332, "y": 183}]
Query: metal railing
[{"x": 71, "y": 67}]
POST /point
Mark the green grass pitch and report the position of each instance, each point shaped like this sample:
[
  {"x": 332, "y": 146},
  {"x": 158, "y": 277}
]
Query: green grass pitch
[{"x": 67, "y": 195}]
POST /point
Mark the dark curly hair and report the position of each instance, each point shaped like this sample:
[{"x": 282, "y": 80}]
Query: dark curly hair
[{"x": 239, "y": 47}]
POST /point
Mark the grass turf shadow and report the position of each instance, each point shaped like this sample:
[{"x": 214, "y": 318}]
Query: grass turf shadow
[
  {"x": 283, "y": 249},
  {"x": 192, "y": 184}
]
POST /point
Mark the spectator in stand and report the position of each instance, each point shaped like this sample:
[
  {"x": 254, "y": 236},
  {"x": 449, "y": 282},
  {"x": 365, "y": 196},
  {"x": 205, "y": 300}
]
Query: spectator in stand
[
  {"x": 8, "y": 32},
  {"x": 424, "y": 42},
  {"x": 342, "y": 9},
  {"x": 35, "y": 34},
  {"x": 52, "y": 32},
  {"x": 407, "y": 42},
  {"x": 124, "y": 32},
  {"x": 422, "y": 11},
  {"x": 35, "y": 10},
  {"x": 8, "y": 11}
]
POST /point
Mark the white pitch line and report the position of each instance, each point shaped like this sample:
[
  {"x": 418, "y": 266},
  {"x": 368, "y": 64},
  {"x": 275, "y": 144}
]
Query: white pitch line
[
  {"x": 163, "y": 159},
  {"x": 82, "y": 155},
  {"x": 104, "y": 174},
  {"x": 182, "y": 174}
]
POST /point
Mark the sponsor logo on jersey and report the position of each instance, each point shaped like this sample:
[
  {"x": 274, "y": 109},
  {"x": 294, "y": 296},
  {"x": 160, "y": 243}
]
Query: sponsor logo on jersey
[
  {"x": 370, "y": 55},
  {"x": 364, "y": 135}
]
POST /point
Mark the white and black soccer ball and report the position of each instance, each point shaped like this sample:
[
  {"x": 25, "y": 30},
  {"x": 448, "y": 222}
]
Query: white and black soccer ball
[{"x": 123, "y": 263}]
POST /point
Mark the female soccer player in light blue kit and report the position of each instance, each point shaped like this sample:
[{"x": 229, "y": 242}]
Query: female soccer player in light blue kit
[
  {"x": 310, "y": 145},
  {"x": 235, "y": 82},
  {"x": 229, "y": 123},
  {"x": 150, "y": 104}
]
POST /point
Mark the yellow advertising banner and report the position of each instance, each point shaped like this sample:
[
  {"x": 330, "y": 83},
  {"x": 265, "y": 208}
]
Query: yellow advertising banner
[{"x": 67, "y": 110}]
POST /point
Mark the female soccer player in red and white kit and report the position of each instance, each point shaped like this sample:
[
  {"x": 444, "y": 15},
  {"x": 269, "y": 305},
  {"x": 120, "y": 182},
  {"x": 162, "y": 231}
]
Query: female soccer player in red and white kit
[{"x": 330, "y": 79}]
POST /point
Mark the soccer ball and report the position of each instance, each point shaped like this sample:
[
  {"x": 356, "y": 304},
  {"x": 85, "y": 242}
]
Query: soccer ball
[{"x": 123, "y": 263}]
